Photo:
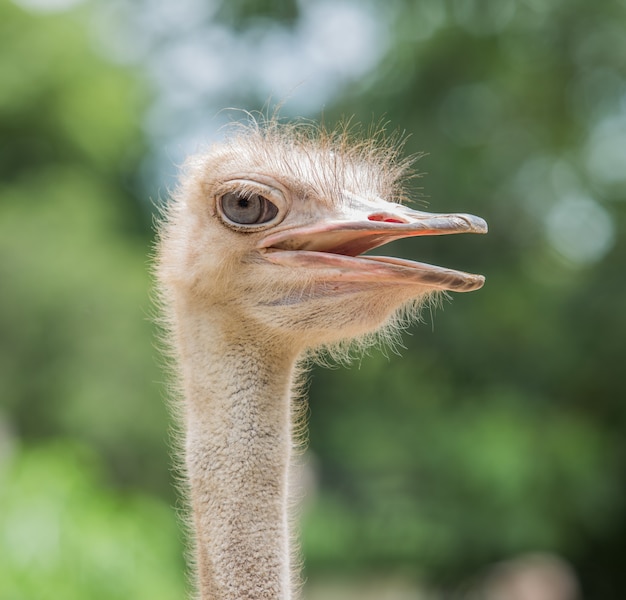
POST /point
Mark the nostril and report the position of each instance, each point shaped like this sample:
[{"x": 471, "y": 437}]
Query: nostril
[{"x": 385, "y": 218}]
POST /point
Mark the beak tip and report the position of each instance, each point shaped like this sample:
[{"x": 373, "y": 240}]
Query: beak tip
[
  {"x": 480, "y": 281},
  {"x": 475, "y": 224}
]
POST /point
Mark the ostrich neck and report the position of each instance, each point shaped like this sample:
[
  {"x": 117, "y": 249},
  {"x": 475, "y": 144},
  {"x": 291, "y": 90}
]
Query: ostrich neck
[{"x": 238, "y": 444}]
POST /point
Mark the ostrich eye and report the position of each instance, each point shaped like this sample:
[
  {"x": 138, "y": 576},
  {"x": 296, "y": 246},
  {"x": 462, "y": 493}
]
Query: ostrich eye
[{"x": 247, "y": 209}]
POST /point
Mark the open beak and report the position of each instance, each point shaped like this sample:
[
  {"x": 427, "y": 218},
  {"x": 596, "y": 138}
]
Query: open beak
[{"x": 336, "y": 247}]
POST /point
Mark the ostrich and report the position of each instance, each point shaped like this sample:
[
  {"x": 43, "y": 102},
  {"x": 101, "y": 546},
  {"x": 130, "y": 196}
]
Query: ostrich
[{"x": 260, "y": 262}]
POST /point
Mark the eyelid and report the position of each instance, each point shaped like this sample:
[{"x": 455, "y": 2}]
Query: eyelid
[{"x": 251, "y": 187}]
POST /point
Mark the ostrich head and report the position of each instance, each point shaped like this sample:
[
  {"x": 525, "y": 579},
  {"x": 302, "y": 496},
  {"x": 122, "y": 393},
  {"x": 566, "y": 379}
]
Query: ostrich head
[{"x": 271, "y": 225}]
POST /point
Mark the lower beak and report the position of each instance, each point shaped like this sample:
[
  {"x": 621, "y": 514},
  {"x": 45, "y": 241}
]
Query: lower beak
[{"x": 336, "y": 246}]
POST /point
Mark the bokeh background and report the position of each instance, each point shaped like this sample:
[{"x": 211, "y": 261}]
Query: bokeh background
[{"x": 489, "y": 458}]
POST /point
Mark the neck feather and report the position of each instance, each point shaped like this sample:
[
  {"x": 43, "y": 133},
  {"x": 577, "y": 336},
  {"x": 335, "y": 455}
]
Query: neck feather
[{"x": 237, "y": 453}]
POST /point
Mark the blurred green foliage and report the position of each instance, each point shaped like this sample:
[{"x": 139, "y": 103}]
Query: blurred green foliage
[
  {"x": 75, "y": 355},
  {"x": 501, "y": 428},
  {"x": 63, "y": 534}
]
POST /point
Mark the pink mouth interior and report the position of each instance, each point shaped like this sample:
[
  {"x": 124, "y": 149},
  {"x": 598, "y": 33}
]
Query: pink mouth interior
[
  {"x": 382, "y": 217},
  {"x": 357, "y": 246}
]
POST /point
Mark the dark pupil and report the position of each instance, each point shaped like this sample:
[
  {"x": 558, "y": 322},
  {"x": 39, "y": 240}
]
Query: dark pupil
[{"x": 247, "y": 210}]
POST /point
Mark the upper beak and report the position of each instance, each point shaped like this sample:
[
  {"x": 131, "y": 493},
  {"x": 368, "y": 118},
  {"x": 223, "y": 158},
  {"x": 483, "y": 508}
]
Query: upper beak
[
  {"x": 366, "y": 228},
  {"x": 353, "y": 237}
]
